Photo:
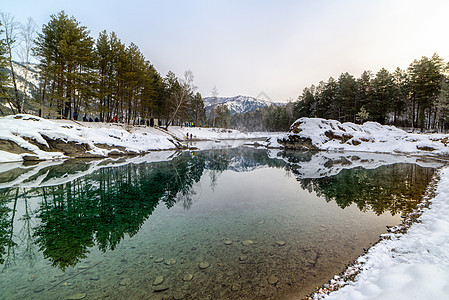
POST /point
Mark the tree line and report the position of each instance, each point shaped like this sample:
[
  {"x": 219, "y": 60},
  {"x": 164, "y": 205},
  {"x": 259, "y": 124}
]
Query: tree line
[
  {"x": 417, "y": 97},
  {"x": 80, "y": 76}
]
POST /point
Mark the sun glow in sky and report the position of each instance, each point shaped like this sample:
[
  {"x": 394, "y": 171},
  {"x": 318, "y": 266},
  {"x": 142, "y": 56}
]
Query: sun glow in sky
[{"x": 246, "y": 47}]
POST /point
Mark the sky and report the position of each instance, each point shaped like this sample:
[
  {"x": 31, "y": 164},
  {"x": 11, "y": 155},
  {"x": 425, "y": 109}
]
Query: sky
[{"x": 246, "y": 47}]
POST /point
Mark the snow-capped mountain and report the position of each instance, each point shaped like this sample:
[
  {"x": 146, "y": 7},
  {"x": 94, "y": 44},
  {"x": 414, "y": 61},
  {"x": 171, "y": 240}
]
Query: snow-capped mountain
[
  {"x": 26, "y": 75},
  {"x": 237, "y": 104}
]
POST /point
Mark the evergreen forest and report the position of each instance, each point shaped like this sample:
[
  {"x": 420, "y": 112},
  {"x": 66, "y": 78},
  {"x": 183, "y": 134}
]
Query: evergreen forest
[
  {"x": 417, "y": 98},
  {"x": 85, "y": 78}
]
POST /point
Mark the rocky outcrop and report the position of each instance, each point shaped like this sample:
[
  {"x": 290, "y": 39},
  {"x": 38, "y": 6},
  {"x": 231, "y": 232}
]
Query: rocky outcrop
[
  {"x": 297, "y": 142},
  {"x": 12, "y": 147},
  {"x": 322, "y": 134}
]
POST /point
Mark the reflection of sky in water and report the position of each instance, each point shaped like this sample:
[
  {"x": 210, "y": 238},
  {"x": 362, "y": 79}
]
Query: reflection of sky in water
[{"x": 264, "y": 204}]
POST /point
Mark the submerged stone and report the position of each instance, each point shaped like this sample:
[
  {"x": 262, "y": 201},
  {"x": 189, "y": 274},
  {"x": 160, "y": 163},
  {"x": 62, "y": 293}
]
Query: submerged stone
[
  {"x": 204, "y": 265},
  {"x": 170, "y": 261},
  {"x": 77, "y": 296},
  {"x": 247, "y": 242},
  {"x": 280, "y": 243},
  {"x": 188, "y": 277},
  {"x": 272, "y": 280},
  {"x": 158, "y": 280},
  {"x": 125, "y": 282},
  {"x": 243, "y": 257},
  {"x": 160, "y": 289},
  {"x": 178, "y": 296}
]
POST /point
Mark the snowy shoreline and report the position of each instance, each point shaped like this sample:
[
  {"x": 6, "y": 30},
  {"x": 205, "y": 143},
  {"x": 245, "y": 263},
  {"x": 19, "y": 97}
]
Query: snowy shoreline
[
  {"x": 412, "y": 261},
  {"x": 26, "y": 137}
]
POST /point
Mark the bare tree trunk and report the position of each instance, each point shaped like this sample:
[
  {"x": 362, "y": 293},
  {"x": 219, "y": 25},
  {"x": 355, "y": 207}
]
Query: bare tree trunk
[
  {"x": 28, "y": 33},
  {"x": 10, "y": 27}
]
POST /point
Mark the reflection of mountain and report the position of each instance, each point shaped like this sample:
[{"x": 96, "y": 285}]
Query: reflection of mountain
[{"x": 87, "y": 203}]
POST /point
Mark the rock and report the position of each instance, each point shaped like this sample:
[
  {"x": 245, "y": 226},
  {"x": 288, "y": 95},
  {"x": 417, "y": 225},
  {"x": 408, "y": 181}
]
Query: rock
[
  {"x": 280, "y": 243},
  {"x": 77, "y": 296},
  {"x": 159, "y": 260},
  {"x": 243, "y": 257},
  {"x": 235, "y": 287},
  {"x": 39, "y": 289},
  {"x": 247, "y": 242},
  {"x": 170, "y": 261},
  {"x": 326, "y": 285},
  {"x": 188, "y": 277},
  {"x": 94, "y": 278},
  {"x": 228, "y": 242},
  {"x": 31, "y": 158},
  {"x": 272, "y": 280},
  {"x": 178, "y": 296},
  {"x": 204, "y": 265},
  {"x": 125, "y": 282},
  {"x": 158, "y": 280},
  {"x": 82, "y": 267},
  {"x": 160, "y": 289}
]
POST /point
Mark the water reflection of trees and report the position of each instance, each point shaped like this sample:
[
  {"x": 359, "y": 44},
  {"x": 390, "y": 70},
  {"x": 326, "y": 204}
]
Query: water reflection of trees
[
  {"x": 103, "y": 207},
  {"x": 395, "y": 188}
]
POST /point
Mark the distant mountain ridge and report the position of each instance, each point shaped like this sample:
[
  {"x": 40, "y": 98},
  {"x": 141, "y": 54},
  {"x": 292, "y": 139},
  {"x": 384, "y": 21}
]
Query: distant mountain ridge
[
  {"x": 26, "y": 75},
  {"x": 237, "y": 104}
]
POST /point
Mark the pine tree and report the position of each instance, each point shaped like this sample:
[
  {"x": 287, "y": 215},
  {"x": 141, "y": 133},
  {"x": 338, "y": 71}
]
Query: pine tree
[
  {"x": 65, "y": 50},
  {"x": 347, "y": 98},
  {"x": 4, "y": 78},
  {"x": 197, "y": 111},
  {"x": 425, "y": 78},
  {"x": 384, "y": 93},
  {"x": 442, "y": 105}
]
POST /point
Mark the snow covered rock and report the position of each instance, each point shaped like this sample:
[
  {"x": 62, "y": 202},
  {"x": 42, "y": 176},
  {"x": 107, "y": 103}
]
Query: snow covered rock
[
  {"x": 27, "y": 137},
  {"x": 322, "y": 134}
]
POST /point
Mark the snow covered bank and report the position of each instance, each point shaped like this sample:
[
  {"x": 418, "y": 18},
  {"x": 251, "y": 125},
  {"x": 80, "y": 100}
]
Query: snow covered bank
[
  {"x": 321, "y": 134},
  {"x": 411, "y": 265},
  {"x": 27, "y": 137}
]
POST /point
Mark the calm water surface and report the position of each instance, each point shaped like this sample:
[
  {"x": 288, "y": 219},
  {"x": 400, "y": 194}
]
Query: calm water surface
[{"x": 217, "y": 224}]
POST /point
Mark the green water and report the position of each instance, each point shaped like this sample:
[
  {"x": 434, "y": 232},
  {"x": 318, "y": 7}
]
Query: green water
[{"x": 217, "y": 224}]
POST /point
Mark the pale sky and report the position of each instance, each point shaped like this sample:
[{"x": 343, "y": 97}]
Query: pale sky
[{"x": 248, "y": 46}]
